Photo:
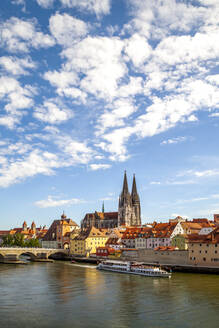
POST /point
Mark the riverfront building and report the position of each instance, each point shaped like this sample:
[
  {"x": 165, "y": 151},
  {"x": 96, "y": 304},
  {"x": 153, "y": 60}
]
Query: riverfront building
[
  {"x": 86, "y": 243},
  {"x": 28, "y": 232},
  {"x": 58, "y": 235},
  {"x": 204, "y": 249}
]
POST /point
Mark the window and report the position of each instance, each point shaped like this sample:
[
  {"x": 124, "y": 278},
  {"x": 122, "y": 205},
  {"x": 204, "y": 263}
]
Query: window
[
  {"x": 200, "y": 244},
  {"x": 204, "y": 258},
  {"x": 215, "y": 245},
  {"x": 206, "y": 252},
  {"x": 200, "y": 252},
  {"x": 215, "y": 252}
]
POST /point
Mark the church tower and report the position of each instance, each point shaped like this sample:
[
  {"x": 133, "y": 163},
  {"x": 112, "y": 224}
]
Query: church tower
[
  {"x": 125, "y": 205},
  {"x": 33, "y": 226},
  {"x": 136, "y": 207}
]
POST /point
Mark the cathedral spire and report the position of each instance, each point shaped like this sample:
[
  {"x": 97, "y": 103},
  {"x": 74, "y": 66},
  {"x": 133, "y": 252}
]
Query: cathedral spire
[
  {"x": 125, "y": 189},
  {"x": 134, "y": 195}
]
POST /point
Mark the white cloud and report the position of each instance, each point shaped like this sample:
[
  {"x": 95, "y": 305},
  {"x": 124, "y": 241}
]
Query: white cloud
[
  {"x": 18, "y": 148},
  {"x": 173, "y": 140},
  {"x": 214, "y": 115},
  {"x": 159, "y": 18},
  {"x": 99, "y": 7},
  {"x": 18, "y": 36},
  {"x": 99, "y": 60},
  {"x": 15, "y": 65},
  {"x": 51, "y": 202},
  {"x": 214, "y": 79},
  {"x": 138, "y": 49},
  {"x": 200, "y": 174},
  {"x": 62, "y": 79},
  {"x": 36, "y": 162},
  {"x": 18, "y": 2},
  {"x": 45, "y": 3},
  {"x": 9, "y": 121},
  {"x": 51, "y": 113},
  {"x": 115, "y": 116},
  {"x": 95, "y": 167},
  {"x": 206, "y": 173},
  {"x": 115, "y": 143},
  {"x": 77, "y": 152},
  {"x": 67, "y": 29},
  {"x": 16, "y": 97}
]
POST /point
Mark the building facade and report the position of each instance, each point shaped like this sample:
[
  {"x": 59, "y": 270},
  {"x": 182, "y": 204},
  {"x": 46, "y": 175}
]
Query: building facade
[
  {"x": 204, "y": 249},
  {"x": 86, "y": 243},
  {"x": 100, "y": 220},
  {"x": 129, "y": 212},
  {"x": 58, "y": 235}
]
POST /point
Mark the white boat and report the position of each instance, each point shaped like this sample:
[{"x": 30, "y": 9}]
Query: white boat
[{"x": 133, "y": 268}]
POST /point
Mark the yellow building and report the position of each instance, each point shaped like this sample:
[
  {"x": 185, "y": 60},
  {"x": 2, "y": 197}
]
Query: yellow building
[{"x": 87, "y": 241}]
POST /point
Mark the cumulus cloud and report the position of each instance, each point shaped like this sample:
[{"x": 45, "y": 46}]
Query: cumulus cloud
[
  {"x": 45, "y": 3},
  {"x": 52, "y": 114},
  {"x": 53, "y": 202},
  {"x": 15, "y": 65},
  {"x": 77, "y": 152},
  {"x": 115, "y": 116},
  {"x": 99, "y": 60},
  {"x": 138, "y": 49},
  {"x": 99, "y": 7},
  {"x": 18, "y": 35},
  {"x": 67, "y": 29},
  {"x": 95, "y": 167},
  {"x": 36, "y": 162},
  {"x": 16, "y": 97}
]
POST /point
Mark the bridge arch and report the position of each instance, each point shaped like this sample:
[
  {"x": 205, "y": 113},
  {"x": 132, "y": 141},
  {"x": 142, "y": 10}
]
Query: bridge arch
[
  {"x": 57, "y": 254},
  {"x": 30, "y": 254}
]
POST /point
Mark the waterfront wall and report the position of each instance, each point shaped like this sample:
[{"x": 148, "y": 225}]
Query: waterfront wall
[{"x": 157, "y": 257}]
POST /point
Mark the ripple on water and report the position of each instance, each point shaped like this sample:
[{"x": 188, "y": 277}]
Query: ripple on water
[{"x": 67, "y": 295}]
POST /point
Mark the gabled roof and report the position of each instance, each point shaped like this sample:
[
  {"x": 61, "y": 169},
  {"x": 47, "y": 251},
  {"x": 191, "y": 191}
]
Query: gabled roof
[{"x": 92, "y": 233}]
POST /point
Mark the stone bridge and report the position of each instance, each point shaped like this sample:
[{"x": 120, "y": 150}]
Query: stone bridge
[{"x": 12, "y": 254}]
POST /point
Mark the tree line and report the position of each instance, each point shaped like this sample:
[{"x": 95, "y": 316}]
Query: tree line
[{"x": 19, "y": 240}]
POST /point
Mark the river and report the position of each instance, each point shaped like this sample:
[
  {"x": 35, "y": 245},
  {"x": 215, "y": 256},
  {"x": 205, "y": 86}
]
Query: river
[{"x": 65, "y": 295}]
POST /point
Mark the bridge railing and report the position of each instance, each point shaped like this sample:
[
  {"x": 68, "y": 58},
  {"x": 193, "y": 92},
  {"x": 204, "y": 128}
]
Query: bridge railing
[{"x": 35, "y": 248}]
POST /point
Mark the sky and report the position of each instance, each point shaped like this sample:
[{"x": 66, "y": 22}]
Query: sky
[{"x": 91, "y": 88}]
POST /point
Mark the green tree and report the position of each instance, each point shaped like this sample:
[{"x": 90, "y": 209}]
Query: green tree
[
  {"x": 19, "y": 240},
  {"x": 8, "y": 240},
  {"x": 32, "y": 243}
]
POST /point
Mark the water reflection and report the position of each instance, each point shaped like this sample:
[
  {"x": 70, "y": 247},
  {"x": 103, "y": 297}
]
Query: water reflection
[{"x": 64, "y": 295}]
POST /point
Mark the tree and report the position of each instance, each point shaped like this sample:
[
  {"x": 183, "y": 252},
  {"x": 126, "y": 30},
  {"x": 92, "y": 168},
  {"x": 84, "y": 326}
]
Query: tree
[
  {"x": 19, "y": 240},
  {"x": 32, "y": 243},
  {"x": 8, "y": 240}
]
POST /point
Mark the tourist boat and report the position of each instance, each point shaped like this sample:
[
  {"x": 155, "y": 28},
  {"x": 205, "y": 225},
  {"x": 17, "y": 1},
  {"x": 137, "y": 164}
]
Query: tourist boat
[{"x": 133, "y": 268}]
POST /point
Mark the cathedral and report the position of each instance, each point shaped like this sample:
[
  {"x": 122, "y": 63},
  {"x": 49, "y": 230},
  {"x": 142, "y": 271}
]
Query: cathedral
[{"x": 129, "y": 213}]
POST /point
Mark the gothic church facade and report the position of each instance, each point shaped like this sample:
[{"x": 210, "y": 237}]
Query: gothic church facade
[{"x": 129, "y": 212}]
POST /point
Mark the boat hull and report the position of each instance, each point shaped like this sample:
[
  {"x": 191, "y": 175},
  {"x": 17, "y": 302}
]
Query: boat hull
[{"x": 146, "y": 274}]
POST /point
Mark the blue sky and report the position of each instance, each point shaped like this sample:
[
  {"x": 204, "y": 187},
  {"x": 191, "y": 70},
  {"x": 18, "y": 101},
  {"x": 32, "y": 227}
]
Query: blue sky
[{"x": 90, "y": 88}]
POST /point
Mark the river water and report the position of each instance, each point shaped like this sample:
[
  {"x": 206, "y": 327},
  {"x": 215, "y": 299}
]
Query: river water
[{"x": 65, "y": 295}]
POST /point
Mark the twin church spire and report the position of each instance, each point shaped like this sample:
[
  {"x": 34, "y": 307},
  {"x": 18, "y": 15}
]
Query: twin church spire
[{"x": 129, "y": 205}]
